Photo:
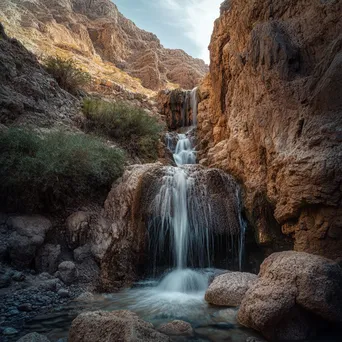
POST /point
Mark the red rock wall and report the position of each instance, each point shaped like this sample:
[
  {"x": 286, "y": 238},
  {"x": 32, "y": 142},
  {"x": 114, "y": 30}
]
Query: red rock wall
[{"x": 274, "y": 115}]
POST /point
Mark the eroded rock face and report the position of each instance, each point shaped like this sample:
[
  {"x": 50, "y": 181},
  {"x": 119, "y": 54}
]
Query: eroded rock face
[
  {"x": 122, "y": 326},
  {"x": 274, "y": 115},
  {"x": 127, "y": 239},
  {"x": 291, "y": 290},
  {"x": 28, "y": 234},
  {"x": 28, "y": 94},
  {"x": 229, "y": 289},
  {"x": 96, "y": 29}
]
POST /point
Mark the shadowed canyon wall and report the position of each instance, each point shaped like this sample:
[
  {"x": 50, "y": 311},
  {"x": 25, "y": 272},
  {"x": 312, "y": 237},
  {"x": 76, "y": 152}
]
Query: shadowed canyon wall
[{"x": 271, "y": 116}]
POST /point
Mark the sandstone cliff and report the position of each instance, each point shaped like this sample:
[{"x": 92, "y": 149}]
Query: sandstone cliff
[
  {"x": 274, "y": 115},
  {"x": 101, "y": 39}
]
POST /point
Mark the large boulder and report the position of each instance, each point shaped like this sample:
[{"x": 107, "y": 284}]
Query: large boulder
[
  {"x": 118, "y": 326},
  {"x": 28, "y": 234},
  {"x": 229, "y": 289},
  {"x": 292, "y": 288}
]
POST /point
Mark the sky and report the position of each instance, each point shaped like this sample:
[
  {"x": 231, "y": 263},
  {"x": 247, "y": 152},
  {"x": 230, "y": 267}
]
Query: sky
[{"x": 179, "y": 24}]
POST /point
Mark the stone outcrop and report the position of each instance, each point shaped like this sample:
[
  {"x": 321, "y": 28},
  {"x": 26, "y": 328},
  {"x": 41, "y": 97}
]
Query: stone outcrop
[
  {"x": 28, "y": 94},
  {"x": 124, "y": 326},
  {"x": 293, "y": 292},
  {"x": 96, "y": 31},
  {"x": 177, "y": 328},
  {"x": 229, "y": 289},
  {"x": 34, "y": 337},
  {"x": 128, "y": 239},
  {"x": 273, "y": 118},
  {"x": 27, "y": 235}
]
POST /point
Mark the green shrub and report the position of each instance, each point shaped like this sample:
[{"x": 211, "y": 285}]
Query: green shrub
[
  {"x": 56, "y": 169},
  {"x": 138, "y": 132},
  {"x": 66, "y": 73}
]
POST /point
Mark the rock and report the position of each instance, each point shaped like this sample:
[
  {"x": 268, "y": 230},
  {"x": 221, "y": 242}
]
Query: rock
[
  {"x": 229, "y": 289},
  {"x": 291, "y": 287},
  {"x": 85, "y": 297},
  {"x": 27, "y": 307},
  {"x": 63, "y": 293},
  {"x": 18, "y": 276},
  {"x": 82, "y": 253},
  {"x": 273, "y": 118},
  {"x": 34, "y": 337},
  {"x": 113, "y": 326},
  {"x": 10, "y": 331},
  {"x": 47, "y": 258},
  {"x": 177, "y": 328},
  {"x": 5, "y": 279},
  {"x": 27, "y": 236},
  {"x": 67, "y": 272}
]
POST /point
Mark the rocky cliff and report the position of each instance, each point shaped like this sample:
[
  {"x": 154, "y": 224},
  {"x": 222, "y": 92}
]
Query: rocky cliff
[
  {"x": 274, "y": 115},
  {"x": 101, "y": 39}
]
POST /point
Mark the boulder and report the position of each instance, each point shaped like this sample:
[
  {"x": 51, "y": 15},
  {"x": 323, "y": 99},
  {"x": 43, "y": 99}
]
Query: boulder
[
  {"x": 28, "y": 234},
  {"x": 120, "y": 326},
  {"x": 34, "y": 337},
  {"x": 47, "y": 258},
  {"x": 294, "y": 289},
  {"x": 177, "y": 328},
  {"x": 229, "y": 289},
  {"x": 67, "y": 272}
]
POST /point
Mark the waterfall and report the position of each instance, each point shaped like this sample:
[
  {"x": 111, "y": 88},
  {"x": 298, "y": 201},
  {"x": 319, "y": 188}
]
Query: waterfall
[
  {"x": 194, "y": 105},
  {"x": 184, "y": 152}
]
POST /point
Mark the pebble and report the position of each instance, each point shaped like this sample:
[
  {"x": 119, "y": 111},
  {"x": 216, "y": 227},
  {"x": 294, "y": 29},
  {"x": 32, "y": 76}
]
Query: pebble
[
  {"x": 10, "y": 331},
  {"x": 63, "y": 293},
  {"x": 27, "y": 307}
]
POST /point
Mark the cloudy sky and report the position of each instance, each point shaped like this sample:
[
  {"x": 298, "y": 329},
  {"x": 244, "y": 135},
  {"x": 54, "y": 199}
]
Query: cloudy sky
[{"x": 182, "y": 24}]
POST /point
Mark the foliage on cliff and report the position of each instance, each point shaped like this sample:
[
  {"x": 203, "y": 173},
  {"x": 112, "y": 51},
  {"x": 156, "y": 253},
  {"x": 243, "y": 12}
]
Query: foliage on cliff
[
  {"x": 66, "y": 73},
  {"x": 137, "y": 131},
  {"x": 53, "y": 169}
]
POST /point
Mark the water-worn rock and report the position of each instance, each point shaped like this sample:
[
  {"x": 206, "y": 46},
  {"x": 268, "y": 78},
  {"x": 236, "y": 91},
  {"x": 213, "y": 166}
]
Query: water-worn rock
[
  {"x": 291, "y": 287},
  {"x": 113, "y": 326},
  {"x": 230, "y": 288},
  {"x": 28, "y": 234},
  {"x": 67, "y": 272},
  {"x": 274, "y": 117},
  {"x": 176, "y": 328},
  {"x": 34, "y": 337}
]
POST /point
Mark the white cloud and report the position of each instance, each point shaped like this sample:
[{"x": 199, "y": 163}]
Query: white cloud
[{"x": 196, "y": 17}]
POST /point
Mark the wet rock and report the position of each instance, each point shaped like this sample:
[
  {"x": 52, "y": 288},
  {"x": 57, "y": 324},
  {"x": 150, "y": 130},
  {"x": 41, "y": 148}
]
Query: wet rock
[
  {"x": 82, "y": 253},
  {"x": 63, "y": 293},
  {"x": 85, "y": 297},
  {"x": 122, "y": 326},
  {"x": 47, "y": 258},
  {"x": 291, "y": 287},
  {"x": 10, "y": 331},
  {"x": 34, "y": 337},
  {"x": 177, "y": 328},
  {"x": 229, "y": 289},
  {"x": 67, "y": 272},
  {"x": 27, "y": 236}
]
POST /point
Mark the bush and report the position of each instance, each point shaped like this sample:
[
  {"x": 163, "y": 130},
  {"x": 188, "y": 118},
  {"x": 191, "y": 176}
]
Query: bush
[
  {"x": 66, "y": 73},
  {"x": 56, "y": 169},
  {"x": 138, "y": 132}
]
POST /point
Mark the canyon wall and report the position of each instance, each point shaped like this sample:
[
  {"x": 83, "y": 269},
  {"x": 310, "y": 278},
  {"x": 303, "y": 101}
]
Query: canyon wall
[
  {"x": 271, "y": 115},
  {"x": 93, "y": 31}
]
